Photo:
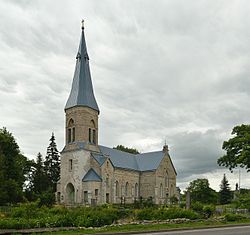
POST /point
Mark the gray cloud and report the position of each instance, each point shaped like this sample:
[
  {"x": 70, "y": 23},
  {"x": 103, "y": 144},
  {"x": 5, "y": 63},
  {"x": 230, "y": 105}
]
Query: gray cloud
[{"x": 167, "y": 69}]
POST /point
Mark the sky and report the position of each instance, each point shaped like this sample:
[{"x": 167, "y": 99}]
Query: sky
[{"x": 164, "y": 70}]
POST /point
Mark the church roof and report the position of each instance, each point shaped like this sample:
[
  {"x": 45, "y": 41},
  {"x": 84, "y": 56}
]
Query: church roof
[
  {"x": 82, "y": 93},
  {"x": 91, "y": 175},
  {"x": 99, "y": 158},
  {"x": 149, "y": 161},
  {"x": 140, "y": 162},
  {"x": 120, "y": 159}
]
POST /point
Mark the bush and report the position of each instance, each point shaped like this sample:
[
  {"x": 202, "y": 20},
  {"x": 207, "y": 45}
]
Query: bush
[
  {"x": 30, "y": 215},
  {"x": 197, "y": 207},
  {"x": 234, "y": 217},
  {"x": 165, "y": 213},
  {"x": 208, "y": 210}
]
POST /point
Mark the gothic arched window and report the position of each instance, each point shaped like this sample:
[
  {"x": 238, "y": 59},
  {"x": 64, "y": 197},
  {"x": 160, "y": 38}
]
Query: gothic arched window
[
  {"x": 126, "y": 189},
  {"x": 71, "y": 131},
  {"x": 167, "y": 180},
  {"x": 136, "y": 190},
  {"x": 161, "y": 191},
  {"x": 116, "y": 189},
  {"x": 92, "y": 132}
]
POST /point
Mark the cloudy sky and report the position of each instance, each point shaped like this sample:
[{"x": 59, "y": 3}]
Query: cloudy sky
[{"x": 170, "y": 69}]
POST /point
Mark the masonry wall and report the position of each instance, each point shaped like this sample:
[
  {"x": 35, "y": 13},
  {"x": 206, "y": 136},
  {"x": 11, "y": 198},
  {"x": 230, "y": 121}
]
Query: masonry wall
[
  {"x": 72, "y": 176},
  {"x": 147, "y": 184},
  {"x": 126, "y": 185},
  {"x": 165, "y": 181}
]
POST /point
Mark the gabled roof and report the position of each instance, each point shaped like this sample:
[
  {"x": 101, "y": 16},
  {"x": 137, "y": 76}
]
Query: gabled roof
[
  {"x": 149, "y": 161},
  {"x": 91, "y": 175},
  {"x": 82, "y": 93},
  {"x": 99, "y": 158},
  {"x": 120, "y": 159},
  {"x": 139, "y": 162}
]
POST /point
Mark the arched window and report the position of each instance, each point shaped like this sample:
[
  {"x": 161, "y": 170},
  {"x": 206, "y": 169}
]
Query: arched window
[
  {"x": 90, "y": 137},
  {"x": 171, "y": 190},
  {"x": 107, "y": 180},
  {"x": 92, "y": 132},
  {"x": 167, "y": 180},
  {"x": 136, "y": 190},
  {"x": 94, "y": 138},
  {"x": 73, "y": 134},
  {"x": 71, "y": 131},
  {"x": 116, "y": 189},
  {"x": 161, "y": 191},
  {"x": 126, "y": 189}
]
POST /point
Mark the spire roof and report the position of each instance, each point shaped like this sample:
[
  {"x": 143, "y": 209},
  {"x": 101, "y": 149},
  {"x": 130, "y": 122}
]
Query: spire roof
[{"x": 82, "y": 93}]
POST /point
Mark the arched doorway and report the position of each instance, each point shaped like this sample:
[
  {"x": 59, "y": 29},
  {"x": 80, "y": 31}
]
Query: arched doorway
[{"x": 70, "y": 190}]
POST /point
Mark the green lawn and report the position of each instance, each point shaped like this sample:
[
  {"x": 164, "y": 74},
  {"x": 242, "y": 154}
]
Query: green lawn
[{"x": 147, "y": 227}]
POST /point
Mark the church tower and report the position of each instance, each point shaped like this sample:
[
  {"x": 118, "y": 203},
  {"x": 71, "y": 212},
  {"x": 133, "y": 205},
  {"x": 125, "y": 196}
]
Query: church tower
[{"x": 81, "y": 108}]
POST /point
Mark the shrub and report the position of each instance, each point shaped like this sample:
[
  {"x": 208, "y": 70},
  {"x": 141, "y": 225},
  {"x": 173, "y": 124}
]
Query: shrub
[
  {"x": 208, "y": 210},
  {"x": 165, "y": 213},
  {"x": 197, "y": 207},
  {"x": 234, "y": 217}
]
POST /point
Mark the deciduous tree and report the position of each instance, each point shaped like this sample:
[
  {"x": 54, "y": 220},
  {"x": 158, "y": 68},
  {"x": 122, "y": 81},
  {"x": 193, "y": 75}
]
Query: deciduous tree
[
  {"x": 13, "y": 169},
  {"x": 126, "y": 149},
  {"x": 200, "y": 191},
  {"x": 237, "y": 149}
]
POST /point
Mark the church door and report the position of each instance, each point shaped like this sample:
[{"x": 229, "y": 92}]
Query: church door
[{"x": 70, "y": 193}]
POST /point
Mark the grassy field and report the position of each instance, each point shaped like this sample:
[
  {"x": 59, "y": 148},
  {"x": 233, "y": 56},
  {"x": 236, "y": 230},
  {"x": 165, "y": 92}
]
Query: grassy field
[{"x": 146, "y": 227}]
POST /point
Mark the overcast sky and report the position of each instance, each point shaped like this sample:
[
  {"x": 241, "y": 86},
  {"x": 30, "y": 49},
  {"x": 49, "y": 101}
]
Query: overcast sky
[{"x": 174, "y": 70}]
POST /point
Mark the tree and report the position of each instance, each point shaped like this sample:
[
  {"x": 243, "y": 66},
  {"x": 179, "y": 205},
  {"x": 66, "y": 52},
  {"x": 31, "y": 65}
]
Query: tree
[
  {"x": 40, "y": 186},
  {"x": 225, "y": 194},
  {"x": 126, "y": 149},
  {"x": 13, "y": 169},
  {"x": 201, "y": 192},
  {"x": 52, "y": 163},
  {"x": 237, "y": 149},
  {"x": 39, "y": 180}
]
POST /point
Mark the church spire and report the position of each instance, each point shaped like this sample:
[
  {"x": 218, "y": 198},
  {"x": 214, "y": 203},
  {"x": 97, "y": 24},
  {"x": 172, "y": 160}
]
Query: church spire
[{"x": 82, "y": 93}]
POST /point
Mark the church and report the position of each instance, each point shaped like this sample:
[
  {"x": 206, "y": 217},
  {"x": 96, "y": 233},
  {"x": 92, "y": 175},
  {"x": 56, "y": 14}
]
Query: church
[{"x": 92, "y": 174}]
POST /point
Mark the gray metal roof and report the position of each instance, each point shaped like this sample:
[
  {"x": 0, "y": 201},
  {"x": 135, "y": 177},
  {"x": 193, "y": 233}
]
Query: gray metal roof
[
  {"x": 120, "y": 159},
  {"x": 99, "y": 158},
  {"x": 82, "y": 93},
  {"x": 149, "y": 161},
  {"x": 139, "y": 162},
  {"x": 91, "y": 175}
]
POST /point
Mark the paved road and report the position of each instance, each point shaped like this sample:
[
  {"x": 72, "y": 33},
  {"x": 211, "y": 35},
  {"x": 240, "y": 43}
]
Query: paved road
[{"x": 243, "y": 230}]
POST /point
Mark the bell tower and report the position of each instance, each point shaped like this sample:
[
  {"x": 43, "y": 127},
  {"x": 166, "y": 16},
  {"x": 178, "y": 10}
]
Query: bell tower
[{"x": 81, "y": 108}]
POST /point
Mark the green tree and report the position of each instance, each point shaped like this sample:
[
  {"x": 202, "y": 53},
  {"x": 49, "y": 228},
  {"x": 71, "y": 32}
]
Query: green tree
[
  {"x": 52, "y": 163},
  {"x": 237, "y": 149},
  {"x": 225, "y": 194},
  {"x": 39, "y": 179},
  {"x": 13, "y": 169},
  {"x": 201, "y": 192},
  {"x": 126, "y": 149}
]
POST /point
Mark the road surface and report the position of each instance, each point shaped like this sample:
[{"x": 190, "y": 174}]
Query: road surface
[{"x": 239, "y": 230}]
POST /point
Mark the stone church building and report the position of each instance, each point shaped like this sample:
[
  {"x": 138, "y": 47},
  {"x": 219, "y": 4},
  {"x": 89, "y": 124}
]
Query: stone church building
[{"x": 94, "y": 174}]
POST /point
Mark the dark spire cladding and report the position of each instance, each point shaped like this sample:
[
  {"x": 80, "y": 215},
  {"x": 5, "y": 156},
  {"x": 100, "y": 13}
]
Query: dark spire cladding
[{"x": 82, "y": 90}]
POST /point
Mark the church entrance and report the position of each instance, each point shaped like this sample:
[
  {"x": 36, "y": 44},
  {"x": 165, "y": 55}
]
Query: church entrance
[{"x": 70, "y": 190}]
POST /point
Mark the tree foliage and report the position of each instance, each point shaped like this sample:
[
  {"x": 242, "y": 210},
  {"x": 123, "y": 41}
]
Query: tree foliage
[
  {"x": 201, "y": 192},
  {"x": 237, "y": 149},
  {"x": 225, "y": 194},
  {"x": 13, "y": 169},
  {"x": 126, "y": 149},
  {"x": 52, "y": 163}
]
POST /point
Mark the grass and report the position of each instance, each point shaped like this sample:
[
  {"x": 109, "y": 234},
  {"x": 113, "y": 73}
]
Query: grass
[{"x": 147, "y": 227}]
